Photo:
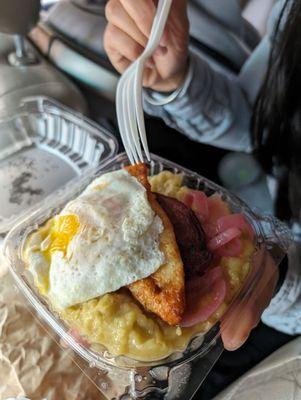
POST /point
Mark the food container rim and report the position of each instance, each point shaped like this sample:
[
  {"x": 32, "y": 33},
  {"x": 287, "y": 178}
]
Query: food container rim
[{"x": 72, "y": 189}]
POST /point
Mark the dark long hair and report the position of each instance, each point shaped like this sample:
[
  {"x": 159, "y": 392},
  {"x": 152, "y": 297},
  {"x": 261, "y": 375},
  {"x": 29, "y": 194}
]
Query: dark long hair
[{"x": 276, "y": 122}]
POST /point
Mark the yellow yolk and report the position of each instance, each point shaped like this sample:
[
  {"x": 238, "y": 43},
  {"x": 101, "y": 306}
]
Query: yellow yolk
[
  {"x": 62, "y": 231},
  {"x": 56, "y": 235}
]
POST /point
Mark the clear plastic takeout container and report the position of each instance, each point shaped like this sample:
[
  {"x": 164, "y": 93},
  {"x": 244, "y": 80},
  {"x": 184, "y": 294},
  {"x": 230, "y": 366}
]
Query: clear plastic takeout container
[
  {"x": 43, "y": 146},
  {"x": 179, "y": 375}
]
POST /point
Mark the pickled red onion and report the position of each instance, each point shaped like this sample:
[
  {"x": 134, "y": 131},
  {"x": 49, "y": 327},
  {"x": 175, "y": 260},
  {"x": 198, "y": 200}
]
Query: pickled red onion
[
  {"x": 204, "y": 295},
  {"x": 217, "y": 208},
  {"x": 231, "y": 249},
  {"x": 223, "y": 238},
  {"x": 237, "y": 221},
  {"x": 198, "y": 201}
]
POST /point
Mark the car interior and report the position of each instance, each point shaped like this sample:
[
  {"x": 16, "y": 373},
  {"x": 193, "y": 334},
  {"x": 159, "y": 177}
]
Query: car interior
[{"x": 54, "y": 49}]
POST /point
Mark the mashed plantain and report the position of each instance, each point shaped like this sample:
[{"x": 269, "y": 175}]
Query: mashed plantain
[{"x": 119, "y": 323}]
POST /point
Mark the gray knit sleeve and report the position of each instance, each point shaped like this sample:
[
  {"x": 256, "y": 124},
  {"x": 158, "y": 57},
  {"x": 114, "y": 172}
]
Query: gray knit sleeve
[{"x": 216, "y": 108}]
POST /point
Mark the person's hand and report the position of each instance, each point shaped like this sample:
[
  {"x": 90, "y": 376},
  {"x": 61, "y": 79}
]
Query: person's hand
[
  {"x": 238, "y": 322},
  {"x": 127, "y": 32}
]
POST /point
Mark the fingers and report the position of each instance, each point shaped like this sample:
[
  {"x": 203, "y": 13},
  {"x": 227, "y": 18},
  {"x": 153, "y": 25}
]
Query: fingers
[
  {"x": 129, "y": 24},
  {"x": 142, "y": 12},
  {"x": 176, "y": 32},
  {"x": 118, "y": 16},
  {"x": 128, "y": 30},
  {"x": 121, "y": 48},
  {"x": 116, "y": 39},
  {"x": 235, "y": 335}
]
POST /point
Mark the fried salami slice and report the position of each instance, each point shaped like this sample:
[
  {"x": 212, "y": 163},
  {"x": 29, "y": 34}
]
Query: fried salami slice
[{"x": 189, "y": 235}]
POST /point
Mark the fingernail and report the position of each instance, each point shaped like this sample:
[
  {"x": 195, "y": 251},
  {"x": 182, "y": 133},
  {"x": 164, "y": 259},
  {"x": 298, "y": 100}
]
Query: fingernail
[{"x": 232, "y": 345}]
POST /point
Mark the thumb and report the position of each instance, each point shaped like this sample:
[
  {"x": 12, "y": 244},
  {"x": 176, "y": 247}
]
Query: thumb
[
  {"x": 236, "y": 328},
  {"x": 246, "y": 311}
]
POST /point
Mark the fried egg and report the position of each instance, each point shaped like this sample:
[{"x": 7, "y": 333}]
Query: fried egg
[{"x": 105, "y": 239}]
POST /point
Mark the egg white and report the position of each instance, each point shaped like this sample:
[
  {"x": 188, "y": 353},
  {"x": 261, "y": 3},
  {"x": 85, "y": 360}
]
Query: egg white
[{"x": 117, "y": 242}]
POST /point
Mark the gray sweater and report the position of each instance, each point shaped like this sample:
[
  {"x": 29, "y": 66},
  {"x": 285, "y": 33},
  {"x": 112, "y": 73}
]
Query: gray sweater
[{"x": 216, "y": 107}]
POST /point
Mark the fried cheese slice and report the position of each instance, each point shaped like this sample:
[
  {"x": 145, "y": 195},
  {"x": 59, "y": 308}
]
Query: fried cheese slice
[{"x": 163, "y": 292}]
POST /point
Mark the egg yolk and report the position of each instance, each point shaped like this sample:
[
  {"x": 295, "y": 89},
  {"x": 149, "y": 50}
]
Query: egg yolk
[{"x": 62, "y": 231}]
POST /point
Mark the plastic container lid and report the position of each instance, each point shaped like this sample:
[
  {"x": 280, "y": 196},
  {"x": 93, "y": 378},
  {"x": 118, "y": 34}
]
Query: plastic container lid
[{"x": 43, "y": 146}]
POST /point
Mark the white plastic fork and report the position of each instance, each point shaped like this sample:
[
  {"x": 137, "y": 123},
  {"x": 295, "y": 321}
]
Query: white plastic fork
[{"x": 129, "y": 105}]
